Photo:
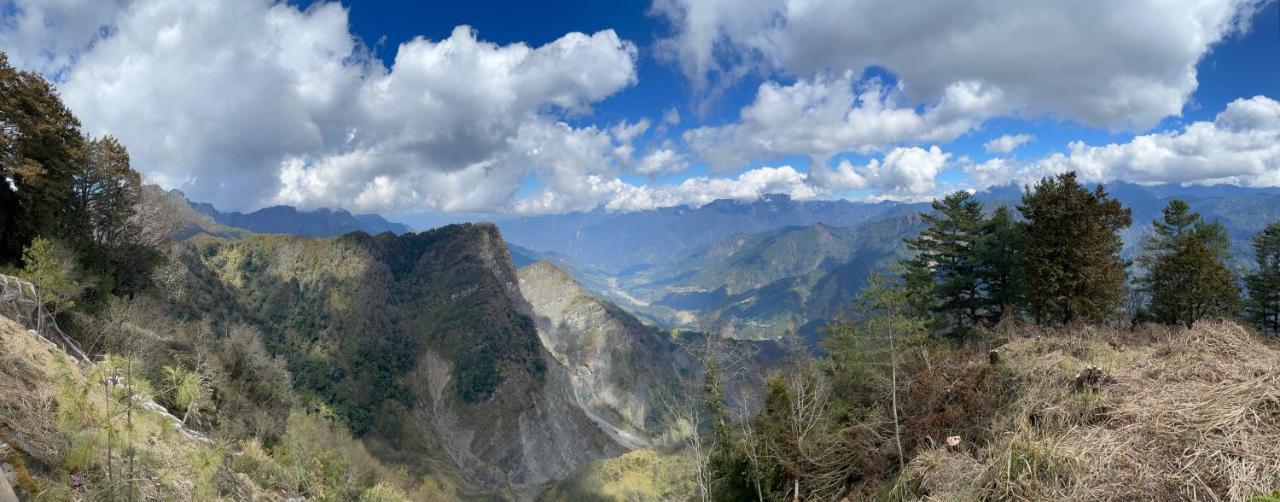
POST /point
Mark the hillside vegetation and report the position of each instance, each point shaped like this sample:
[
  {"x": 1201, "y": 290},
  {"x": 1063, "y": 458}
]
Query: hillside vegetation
[
  {"x": 1081, "y": 413},
  {"x": 98, "y": 431},
  {"x": 1105, "y": 414}
]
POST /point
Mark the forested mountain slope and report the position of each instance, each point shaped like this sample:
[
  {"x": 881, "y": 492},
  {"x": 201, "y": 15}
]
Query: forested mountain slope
[
  {"x": 764, "y": 284},
  {"x": 420, "y": 343}
]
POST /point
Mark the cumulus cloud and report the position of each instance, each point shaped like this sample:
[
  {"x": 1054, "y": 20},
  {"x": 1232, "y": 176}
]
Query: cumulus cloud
[
  {"x": 663, "y": 160},
  {"x": 251, "y": 102},
  {"x": 43, "y": 35},
  {"x": 246, "y": 103},
  {"x": 1102, "y": 63},
  {"x": 622, "y": 196},
  {"x": 1240, "y": 146},
  {"x": 1007, "y": 143},
  {"x": 829, "y": 115},
  {"x": 904, "y": 173}
]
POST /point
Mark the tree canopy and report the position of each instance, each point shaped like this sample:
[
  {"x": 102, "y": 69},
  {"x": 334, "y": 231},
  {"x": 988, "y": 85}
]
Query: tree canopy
[
  {"x": 1263, "y": 304},
  {"x": 1074, "y": 269},
  {"x": 1187, "y": 278}
]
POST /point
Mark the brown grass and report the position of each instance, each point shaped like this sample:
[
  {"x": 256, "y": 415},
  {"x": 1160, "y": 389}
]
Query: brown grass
[
  {"x": 1184, "y": 415},
  {"x": 27, "y": 410}
]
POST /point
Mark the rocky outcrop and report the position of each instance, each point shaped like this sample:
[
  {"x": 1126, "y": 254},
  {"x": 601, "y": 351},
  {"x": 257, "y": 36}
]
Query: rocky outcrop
[{"x": 624, "y": 374}]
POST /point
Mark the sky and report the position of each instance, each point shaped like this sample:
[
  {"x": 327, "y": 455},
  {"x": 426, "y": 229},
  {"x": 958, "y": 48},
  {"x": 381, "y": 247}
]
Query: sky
[{"x": 435, "y": 111}]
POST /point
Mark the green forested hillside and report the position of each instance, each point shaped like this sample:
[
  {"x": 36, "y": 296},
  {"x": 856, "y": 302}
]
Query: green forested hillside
[
  {"x": 422, "y": 344},
  {"x": 765, "y": 284}
]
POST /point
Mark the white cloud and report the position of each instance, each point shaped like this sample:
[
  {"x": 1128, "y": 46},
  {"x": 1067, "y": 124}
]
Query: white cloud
[
  {"x": 43, "y": 35},
  {"x": 1240, "y": 146},
  {"x": 905, "y": 173},
  {"x": 829, "y": 115},
  {"x": 1007, "y": 143},
  {"x": 251, "y": 102},
  {"x": 671, "y": 116},
  {"x": 619, "y": 195},
  {"x": 1103, "y": 63},
  {"x": 664, "y": 160}
]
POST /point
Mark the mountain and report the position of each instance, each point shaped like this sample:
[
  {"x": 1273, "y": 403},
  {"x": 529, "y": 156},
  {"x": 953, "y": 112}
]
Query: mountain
[
  {"x": 616, "y": 242},
  {"x": 767, "y": 266},
  {"x": 421, "y": 343},
  {"x": 621, "y": 369},
  {"x": 322, "y": 222},
  {"x": 764, "y": 284}
]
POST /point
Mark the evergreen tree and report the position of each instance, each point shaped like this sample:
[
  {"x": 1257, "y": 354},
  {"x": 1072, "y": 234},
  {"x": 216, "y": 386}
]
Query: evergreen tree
[
  {"x": 52, "y": 269},
  {"x": 105, "y": 192},
  {"x": 1186, "y": 274},
  {"x": 1002, "y": 264},
  {"x": 946, "y": 260},
  {"x": 1263, "y": 305},
  {"x": 40, "y": 145},
  {"x": 1074, "y": 270},
  {"x": 101, "y": 217}
]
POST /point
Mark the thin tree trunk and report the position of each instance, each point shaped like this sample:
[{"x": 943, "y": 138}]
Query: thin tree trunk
[
  {"x": 893, "y": 363},
  {"x": 128, "y": 427},
  {"x": 106, "y": 388}
]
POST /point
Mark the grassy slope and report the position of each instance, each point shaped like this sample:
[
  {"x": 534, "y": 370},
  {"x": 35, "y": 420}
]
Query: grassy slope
[{"x": 1181, "y": 414}]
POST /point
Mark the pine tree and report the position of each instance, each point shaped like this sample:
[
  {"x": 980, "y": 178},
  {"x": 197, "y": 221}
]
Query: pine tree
[
  {"x": 1002, "y": 265},
  {"x": 101, "y": 218},
  {"x": 1186, "y": 274},
  {"x": 40, "y": 143},
  {"x": 105, "y": 192},
  {"x": 1074, "y": 269},
  {"x": 1263, "y": 305},
  {"x": 946, "y": 262},
  {"x": 52, "y": 269}
]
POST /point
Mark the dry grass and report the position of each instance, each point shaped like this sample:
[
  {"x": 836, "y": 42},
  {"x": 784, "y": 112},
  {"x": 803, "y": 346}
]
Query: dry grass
[
  {"x": 27, "y": 410},
  {"x": 57, "y": 433},
  {"x": 1186, "y": 415}
]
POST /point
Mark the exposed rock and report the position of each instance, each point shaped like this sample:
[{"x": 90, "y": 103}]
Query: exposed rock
[
  {"x": 6, "y": 486},
  {"x": 621, "y": 370}
]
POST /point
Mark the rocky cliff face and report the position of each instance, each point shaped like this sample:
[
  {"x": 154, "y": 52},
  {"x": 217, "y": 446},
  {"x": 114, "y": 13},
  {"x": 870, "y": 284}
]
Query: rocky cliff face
[{"x": 623, "y": 374}]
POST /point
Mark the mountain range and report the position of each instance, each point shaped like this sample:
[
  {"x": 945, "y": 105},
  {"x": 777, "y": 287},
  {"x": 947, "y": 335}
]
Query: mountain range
[
  {"x": 762, "y": 267},
  {"x": 323, "y": 222},
  {"x": 767, "y": 267}
]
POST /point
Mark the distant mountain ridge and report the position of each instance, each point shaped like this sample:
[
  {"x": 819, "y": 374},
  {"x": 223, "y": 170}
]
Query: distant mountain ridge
[
  {"x": 619, "y": 241},
  {"x": 775, "y": 264},
  {"x": 322, "y": 222}
]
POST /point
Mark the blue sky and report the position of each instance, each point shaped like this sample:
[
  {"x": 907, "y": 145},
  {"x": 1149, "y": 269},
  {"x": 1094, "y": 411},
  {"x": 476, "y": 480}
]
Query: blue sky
[{"x": 548, "y": 107}]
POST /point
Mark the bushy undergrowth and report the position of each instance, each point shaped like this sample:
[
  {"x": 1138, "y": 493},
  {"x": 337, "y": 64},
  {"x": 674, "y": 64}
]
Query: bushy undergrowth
[
  {"x": 1022, "y": 413},
  {"x": 1177, "y": 414},
  {"x": 99, "y": 432}
]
